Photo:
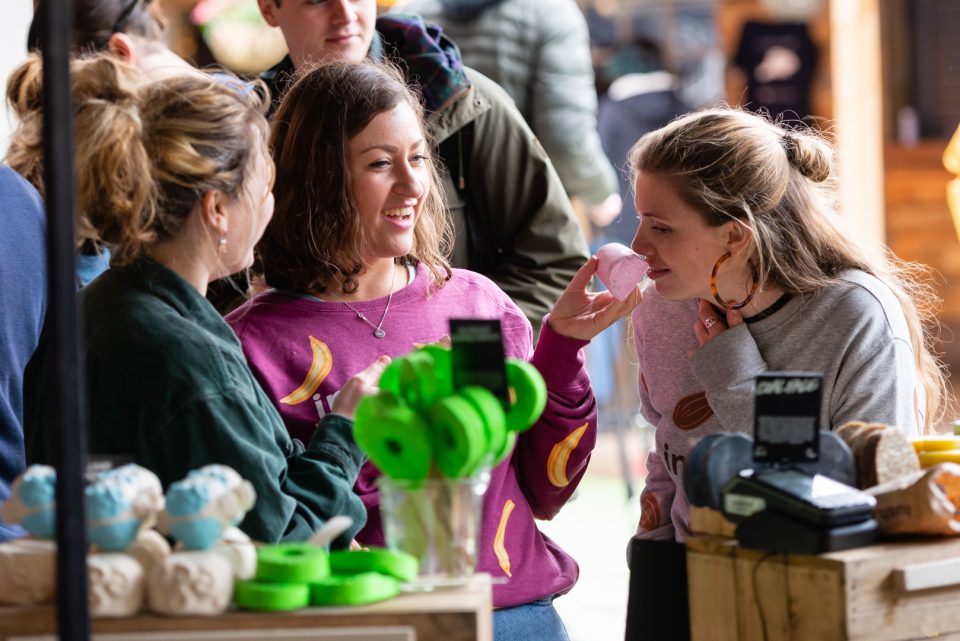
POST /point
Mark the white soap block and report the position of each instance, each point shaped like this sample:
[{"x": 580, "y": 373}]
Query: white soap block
[
  {"x": 149, "y": 548},
  {"x": 116, "y": 584},
  {"x": 28, "y": 574},
  {"x": 191, "y": 583},
  {"x": 237, "y": 548},
  {"x": 620, "y": 269}
]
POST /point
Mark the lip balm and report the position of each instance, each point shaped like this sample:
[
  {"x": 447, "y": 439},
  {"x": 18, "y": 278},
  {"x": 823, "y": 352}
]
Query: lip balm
[{"x": 620, "y": 269}]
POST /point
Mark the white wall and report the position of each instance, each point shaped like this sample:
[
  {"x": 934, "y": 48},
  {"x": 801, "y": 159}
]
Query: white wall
[{"x": 13, "y": 50}]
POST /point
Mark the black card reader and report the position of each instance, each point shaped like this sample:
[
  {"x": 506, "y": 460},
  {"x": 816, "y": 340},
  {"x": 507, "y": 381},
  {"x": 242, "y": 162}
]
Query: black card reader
[{"x": 811, "y": 498}]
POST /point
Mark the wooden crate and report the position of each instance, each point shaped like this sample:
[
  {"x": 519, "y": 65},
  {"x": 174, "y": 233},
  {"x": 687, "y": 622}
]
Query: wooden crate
[{"x": 876, "y": 593}]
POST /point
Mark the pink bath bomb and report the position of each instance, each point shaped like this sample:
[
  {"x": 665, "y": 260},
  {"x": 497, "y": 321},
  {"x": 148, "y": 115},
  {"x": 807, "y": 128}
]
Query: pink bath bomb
[{"x": 620, "y": 269}]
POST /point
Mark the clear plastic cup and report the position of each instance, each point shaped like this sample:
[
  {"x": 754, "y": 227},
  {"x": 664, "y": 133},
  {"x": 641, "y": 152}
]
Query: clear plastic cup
[{"x": 438, "y": 522}]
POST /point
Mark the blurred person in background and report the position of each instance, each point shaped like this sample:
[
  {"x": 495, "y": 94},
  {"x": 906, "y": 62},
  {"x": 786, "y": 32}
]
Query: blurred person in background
[
  {"x": 539, "y": 52},
  {"x": 131, "y": 30},
  {"x": 23, "y": 281},
  {"x": 640, "y": 99}
]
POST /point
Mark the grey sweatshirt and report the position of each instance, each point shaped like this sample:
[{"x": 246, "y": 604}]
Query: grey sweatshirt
[{"x": 854, "y": 333}]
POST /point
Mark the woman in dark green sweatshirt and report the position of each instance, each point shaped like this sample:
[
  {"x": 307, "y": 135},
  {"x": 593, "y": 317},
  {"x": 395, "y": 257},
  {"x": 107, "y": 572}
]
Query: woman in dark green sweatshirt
[{"x": 177, "y": 178}]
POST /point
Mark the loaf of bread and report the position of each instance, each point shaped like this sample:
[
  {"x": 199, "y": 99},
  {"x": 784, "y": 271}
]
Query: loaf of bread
[{"x": 882, "y": 452}]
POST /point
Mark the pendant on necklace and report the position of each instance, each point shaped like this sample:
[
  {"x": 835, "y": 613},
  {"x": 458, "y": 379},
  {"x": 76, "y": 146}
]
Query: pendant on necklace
[{"x": 379, "y": 333}]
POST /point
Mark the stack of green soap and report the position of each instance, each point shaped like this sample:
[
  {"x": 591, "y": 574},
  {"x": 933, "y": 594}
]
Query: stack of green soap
[
  {"x": 295, "y": 575},
  {"x": 284, "y": 575},
  {"x": 419, "y": 419}
]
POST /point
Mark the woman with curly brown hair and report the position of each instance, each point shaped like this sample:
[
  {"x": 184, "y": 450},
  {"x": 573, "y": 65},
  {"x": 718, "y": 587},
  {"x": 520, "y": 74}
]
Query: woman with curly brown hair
[{"x": 357, "y": 258}]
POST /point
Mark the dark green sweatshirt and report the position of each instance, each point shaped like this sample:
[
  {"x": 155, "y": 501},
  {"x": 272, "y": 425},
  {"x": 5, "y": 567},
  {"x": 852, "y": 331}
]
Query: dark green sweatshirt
[{"x": 169, "y": 388}]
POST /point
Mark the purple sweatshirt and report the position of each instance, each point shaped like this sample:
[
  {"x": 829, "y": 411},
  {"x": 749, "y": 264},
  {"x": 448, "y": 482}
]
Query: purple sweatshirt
[{"x": 283, "y": 333}]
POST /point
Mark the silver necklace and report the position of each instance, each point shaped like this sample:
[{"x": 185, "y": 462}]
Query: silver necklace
[{"x": 378, "y": 328}]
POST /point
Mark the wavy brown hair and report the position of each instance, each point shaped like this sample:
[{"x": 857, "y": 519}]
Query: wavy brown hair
[
  {"x": 779, "y": 182},
  {"x": 145, "y": 154},
  {"x": 315, "y": 239}
]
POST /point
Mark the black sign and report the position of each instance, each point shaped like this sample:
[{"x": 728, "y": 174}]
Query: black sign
[
  {"x": 478, "y": 357},
  {"x": 786, "y": 427}
]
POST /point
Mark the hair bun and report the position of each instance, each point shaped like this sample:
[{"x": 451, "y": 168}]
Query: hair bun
[{"x": 808, "y": 154}]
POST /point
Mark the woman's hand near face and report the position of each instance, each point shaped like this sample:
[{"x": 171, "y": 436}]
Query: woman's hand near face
[
  {"x": 711, "y": 323},
  {"x": 582, "y": 314},
  {"x": 360, "y": 384}
]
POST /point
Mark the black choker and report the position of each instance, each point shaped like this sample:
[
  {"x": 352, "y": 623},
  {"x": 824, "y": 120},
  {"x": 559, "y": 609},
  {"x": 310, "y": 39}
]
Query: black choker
[{"x": 773, "y": 309}]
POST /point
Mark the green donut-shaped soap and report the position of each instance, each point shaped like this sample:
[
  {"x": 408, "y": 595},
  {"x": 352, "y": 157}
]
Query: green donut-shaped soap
[
  {"x": 530, "y": 395},
  {"x": 354, "y": 589},
  {"x": 370, "y": 406},
  {"x": 390, "y": 379},
  {"x": 397, "y": 442},
  {"x": 395, "y": 563},
  {"x": 292, "y": 563},
  {"x": 458, "y": 436},
  {"x": 418, "y": 380},
  {"x": 506, "y": 450},
  {"x": 442, "y": 366},
  {"x": 275, "y": 597},
  {"x": 491, "y": 411}
]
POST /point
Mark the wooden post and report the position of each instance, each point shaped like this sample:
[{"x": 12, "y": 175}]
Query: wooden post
[{"x": 858, "y": 112}]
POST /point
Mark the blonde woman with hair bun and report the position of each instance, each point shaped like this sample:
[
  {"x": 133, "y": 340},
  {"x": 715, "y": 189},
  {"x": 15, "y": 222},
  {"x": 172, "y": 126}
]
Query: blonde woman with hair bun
[
  {"x": 176, "y": 176},
  {"x": 753, "y": 270}
]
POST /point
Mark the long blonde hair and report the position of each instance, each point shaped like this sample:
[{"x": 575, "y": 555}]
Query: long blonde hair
[{"x": 730, "y": 164}]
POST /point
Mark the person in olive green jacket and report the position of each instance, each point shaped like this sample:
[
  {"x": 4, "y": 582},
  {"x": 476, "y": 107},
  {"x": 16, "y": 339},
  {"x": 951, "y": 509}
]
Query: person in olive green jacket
[{"x": 178, "y": 178}]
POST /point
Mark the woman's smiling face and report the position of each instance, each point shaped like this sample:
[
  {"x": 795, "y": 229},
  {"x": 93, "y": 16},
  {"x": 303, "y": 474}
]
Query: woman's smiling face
[
  {"x": 680, "y": 247},
  {"x": 390, "y": 178}
]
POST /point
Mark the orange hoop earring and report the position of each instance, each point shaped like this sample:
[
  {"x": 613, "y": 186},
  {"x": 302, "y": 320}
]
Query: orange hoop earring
[{"x": 716, "y": 293}]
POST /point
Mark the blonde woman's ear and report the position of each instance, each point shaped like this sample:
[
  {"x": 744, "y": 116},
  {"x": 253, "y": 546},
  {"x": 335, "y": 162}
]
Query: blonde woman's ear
[
  {"x": 736, "y": 235},
  {"x": 214, "y": 212}
]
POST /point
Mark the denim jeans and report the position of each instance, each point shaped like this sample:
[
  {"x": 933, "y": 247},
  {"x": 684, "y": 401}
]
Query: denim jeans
[{"x": 535, "y": 620}]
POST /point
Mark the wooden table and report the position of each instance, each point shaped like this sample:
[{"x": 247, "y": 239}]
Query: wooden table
[
  {"x": 450, "y": 614},
  {"x": 887, "y": 592}
]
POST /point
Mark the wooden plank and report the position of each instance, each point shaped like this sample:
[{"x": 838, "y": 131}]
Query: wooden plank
[
  {"x": 462, "y": 613},
  {"x": 713, "y": 597},
  {"x": 816, "y": 603}
]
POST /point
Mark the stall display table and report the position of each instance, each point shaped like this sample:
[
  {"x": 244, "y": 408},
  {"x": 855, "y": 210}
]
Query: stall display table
[
  {"x": 889, "y": 592},
  {"x": 461, "y": 613}
]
